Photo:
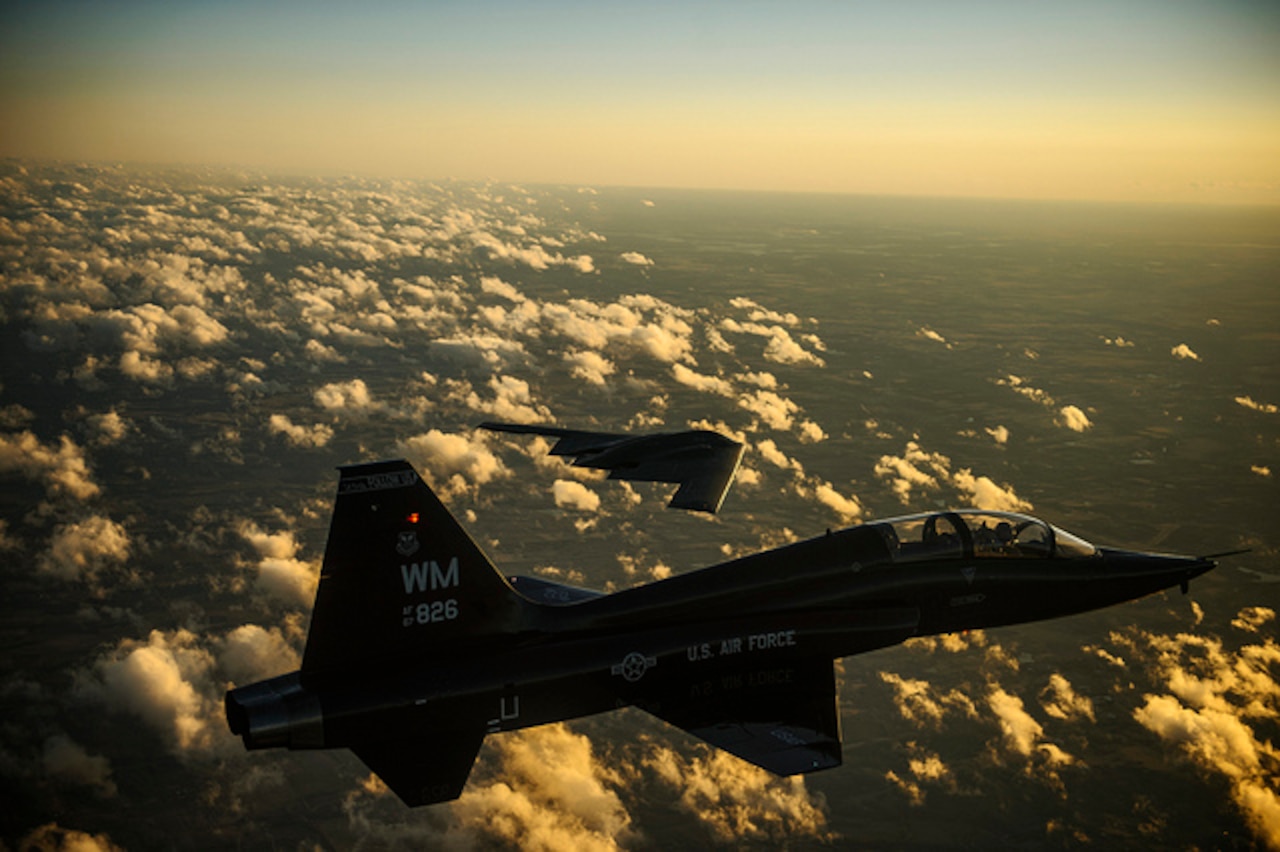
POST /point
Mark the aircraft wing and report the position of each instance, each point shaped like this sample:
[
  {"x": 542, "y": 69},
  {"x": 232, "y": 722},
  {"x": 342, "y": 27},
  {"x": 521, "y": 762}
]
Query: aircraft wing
[
  {"x": 785, "y": 720},
  {"x": 701, "y": 461},
  {"x": 422, "y": 770}
]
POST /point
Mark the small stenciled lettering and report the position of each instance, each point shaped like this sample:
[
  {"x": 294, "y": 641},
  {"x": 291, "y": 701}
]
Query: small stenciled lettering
[
  {"x": 429, "y": 612},
  {"x": 421, "y": 576}
]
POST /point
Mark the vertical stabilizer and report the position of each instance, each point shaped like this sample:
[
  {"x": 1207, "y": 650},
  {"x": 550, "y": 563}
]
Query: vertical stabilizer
[{"x": 400, "y": 577}]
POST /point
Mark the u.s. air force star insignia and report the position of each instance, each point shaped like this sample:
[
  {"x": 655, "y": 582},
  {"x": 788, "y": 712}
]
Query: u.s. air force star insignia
[
  {"x": 407, "y": 545},
  {"x": 633, "y": 666}
]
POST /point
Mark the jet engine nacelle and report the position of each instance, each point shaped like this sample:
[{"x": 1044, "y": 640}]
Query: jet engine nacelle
[{"x": 276, "y": 713}]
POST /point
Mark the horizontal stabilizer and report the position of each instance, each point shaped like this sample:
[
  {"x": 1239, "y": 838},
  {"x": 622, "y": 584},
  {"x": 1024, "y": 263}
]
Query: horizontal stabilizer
[
  {"x": 785, "y": 720},
  {"x": 424, "y": 771},
  {"x": 701, "y": 461},
  {"x": 543, "y": 591}
]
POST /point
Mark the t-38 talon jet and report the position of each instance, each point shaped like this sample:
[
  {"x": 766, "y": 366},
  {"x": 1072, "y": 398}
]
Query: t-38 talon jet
[{"x": 419, "y": 647}]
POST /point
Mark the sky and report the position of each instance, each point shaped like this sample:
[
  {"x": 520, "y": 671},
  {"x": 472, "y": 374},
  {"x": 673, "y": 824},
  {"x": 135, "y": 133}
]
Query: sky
[{"x": 1140, "y": 100}]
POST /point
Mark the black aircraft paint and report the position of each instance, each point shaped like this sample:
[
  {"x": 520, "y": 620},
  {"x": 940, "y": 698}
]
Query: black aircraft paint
[
  {"x": 703, "y": 462},
  {"x": 419, "y": 647}
]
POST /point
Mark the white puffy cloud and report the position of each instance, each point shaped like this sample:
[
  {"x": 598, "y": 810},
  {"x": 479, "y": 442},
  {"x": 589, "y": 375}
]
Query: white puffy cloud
[
  {"x": 300, "y": 436},
  {"x": 574, "y": 495},
  {"x": 280, "y": 573},
  {"x": 776, "y": 412},
  {"x": 999, "y": 433},
  {"x": 1183, "y": 352},
  {"x": 251, "y": 653},
  {"x": 848, "y": 508},
  {"x": 636, "y": 258},
  {"x": 983, "y": 493},
  {"x": 1250, "y": 403},
  {"x": 351, "y": 398},
  {"x": 541, "y": 789},
  {"x": 62, "y": 469},
  {"x": 919, "y": 702},
  {"x": 930, "y": 334},
  {"x": 907, "y": 471},
  {"x": 738, "y": 801},
  {"x": 1074, "y": 419},
  {"x": 591, "y": 367},
  {"x": 1216, "y": 705},
  {"x": 1061, "y": 701},
  {"x": 86, "y": 549},
  {"x": 52, "y": 837},
  {"x": 452, "y": 463},
  {"x": 167, "y": 682},
  {"x": 701, "y": 382},
  {"x": 108, "y": 428},
  {"x": 511, "y": 400}
]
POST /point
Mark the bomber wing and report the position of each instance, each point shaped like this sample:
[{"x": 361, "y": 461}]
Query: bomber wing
[{"x": 701, "y": 461}]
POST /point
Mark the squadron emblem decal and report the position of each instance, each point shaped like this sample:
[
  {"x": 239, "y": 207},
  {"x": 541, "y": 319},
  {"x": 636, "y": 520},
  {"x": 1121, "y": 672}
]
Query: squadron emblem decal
[{"x": 407, "y": 545}]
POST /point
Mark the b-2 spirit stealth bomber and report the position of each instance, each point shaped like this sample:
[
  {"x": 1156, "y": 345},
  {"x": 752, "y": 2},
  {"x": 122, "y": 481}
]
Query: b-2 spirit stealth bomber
[{"x": 419, "y": 647}]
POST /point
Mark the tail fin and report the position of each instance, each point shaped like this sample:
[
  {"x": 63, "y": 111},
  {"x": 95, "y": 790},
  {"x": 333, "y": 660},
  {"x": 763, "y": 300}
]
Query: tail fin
[{"x": 400, "y": 577}]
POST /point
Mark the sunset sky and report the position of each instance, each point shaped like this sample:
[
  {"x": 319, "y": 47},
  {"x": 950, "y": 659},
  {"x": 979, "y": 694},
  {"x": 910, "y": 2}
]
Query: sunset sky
[{"x": 1138, "y": 100}]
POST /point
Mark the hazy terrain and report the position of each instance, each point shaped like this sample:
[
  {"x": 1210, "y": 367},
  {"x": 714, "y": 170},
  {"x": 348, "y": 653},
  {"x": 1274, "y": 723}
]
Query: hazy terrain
[{"x": 186, "y": 357}]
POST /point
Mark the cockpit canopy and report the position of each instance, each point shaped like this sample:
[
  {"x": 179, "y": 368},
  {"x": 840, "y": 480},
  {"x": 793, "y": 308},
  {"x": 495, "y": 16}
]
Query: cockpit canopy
[{"x": 969, "y": 533}]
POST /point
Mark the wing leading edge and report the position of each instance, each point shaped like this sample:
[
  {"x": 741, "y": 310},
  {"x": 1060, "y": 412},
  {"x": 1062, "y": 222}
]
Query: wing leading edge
[{"x": 702, "y": 462}]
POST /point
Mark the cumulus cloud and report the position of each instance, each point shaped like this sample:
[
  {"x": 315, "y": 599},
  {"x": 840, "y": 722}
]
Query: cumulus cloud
[
  {"x": 280, "y": 573},
  {"x": 1022, "y": 733},
  {"x": 251, "y": 652},
  {"x": 52, "y": 837},
  {"x": 592, "y": 367},
  {"x": 848, "y": 508},
  {"x": 453, "y": 464},
  {"x": 912, "y": 470},
  {"x": 999, "y": 433},
  {"x": 1217, "y": 704},
  {"x": 636, "y": 258},
  {"x": 1183, "y": 352},
  {"x": 919, "y": 702},
  {"x": 738, "y": 801},
  {"x": 546, "y": 791},
  {"x": 930, "y": 334},
  {"x": 300, "y": 436},
  {"x": 85, "y": 550},
  {"x": 166, "y": 682},
  {"x": 701, "y": 382},
  {"x": 775, "y": 411},
  {"x": 511, "y": 400},
  {"x": 349, "y": 399},
  {"x": 1074, "y": 419},
  {"x": 983, "y": 493},
  {"x": 1250, "y": 403},
  {"x": 1061, "y": 701},
  {"x": 62, "y": 469},
  {"x": 574, "y": 495}
]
